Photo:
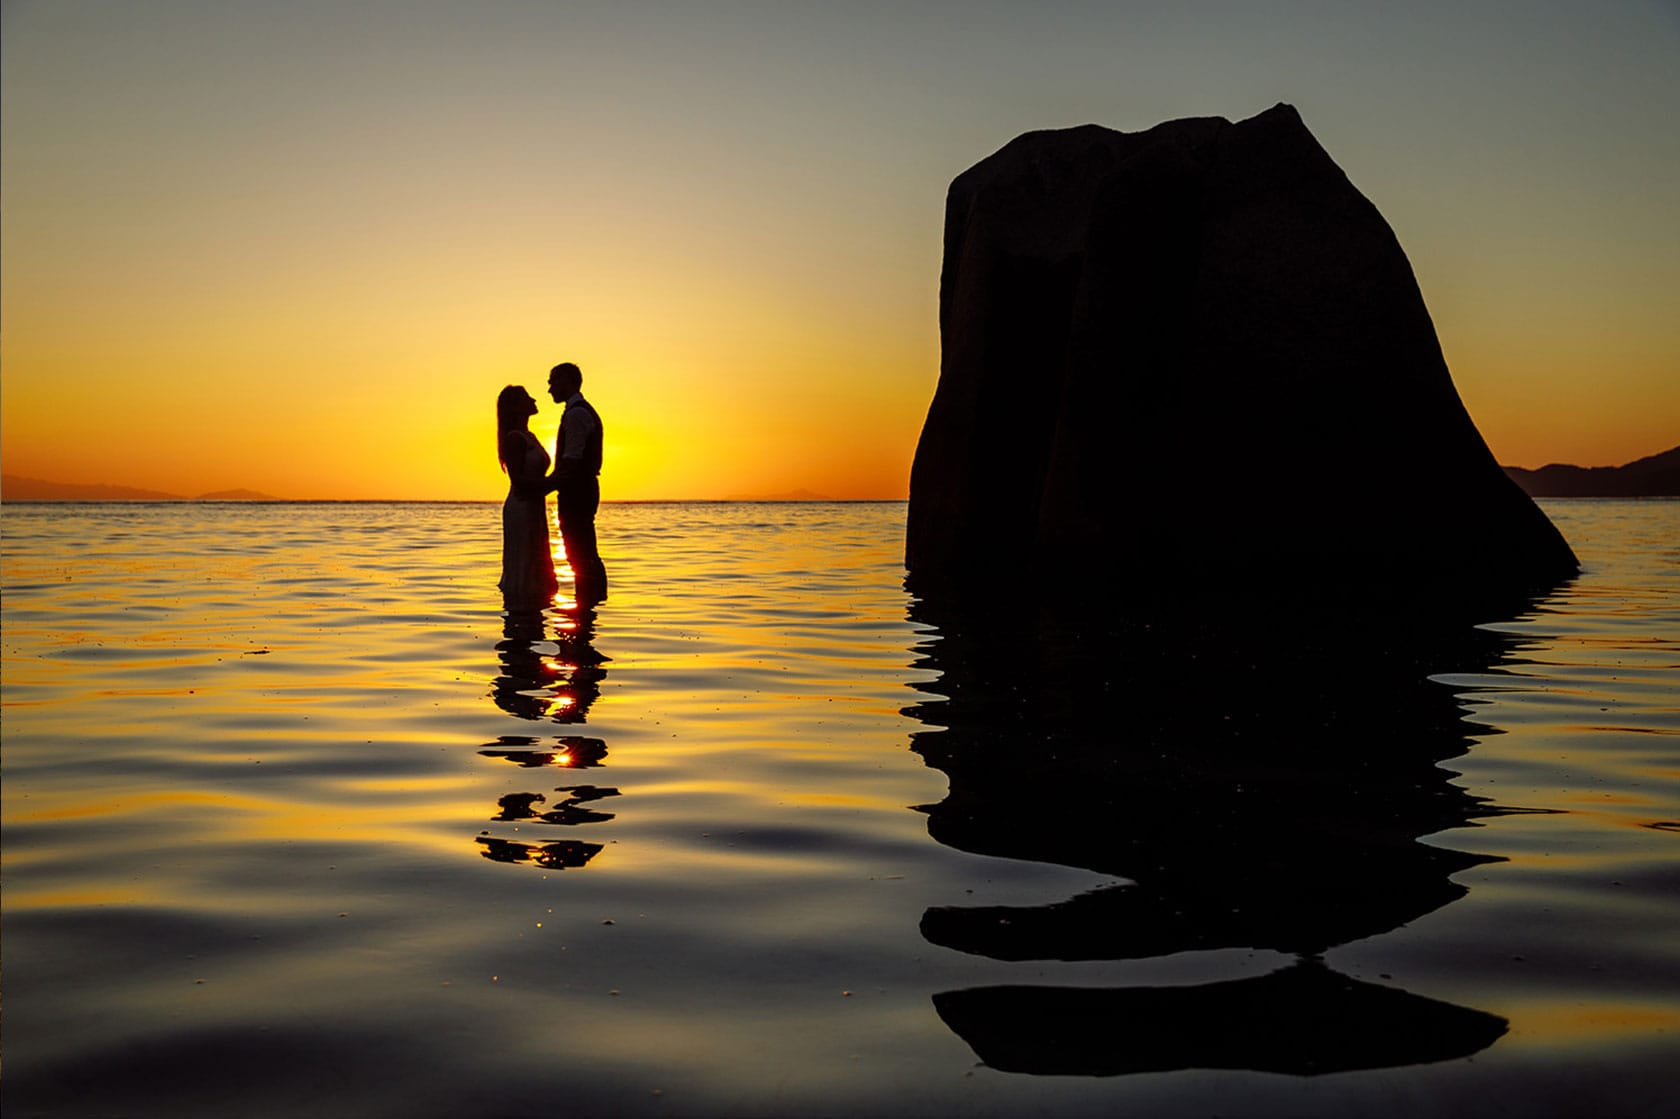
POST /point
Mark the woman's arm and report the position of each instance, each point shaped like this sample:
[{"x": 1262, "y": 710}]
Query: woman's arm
[{"x": 515, "y": 448}]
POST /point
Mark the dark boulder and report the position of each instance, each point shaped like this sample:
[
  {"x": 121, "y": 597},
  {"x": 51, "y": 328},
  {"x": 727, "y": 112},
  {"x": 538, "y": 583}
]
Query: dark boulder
[{"x": 1193, "y": 364}]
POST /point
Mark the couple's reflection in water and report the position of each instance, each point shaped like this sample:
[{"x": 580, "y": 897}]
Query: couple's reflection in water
[
  {"x": 549, "y": 672},
  {"x": 1264, "y": 794}
]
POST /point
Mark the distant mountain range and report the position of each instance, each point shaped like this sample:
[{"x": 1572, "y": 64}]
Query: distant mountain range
[
  {"x": 1655, "y": 476},
  {"x": 15, "y": 487}
]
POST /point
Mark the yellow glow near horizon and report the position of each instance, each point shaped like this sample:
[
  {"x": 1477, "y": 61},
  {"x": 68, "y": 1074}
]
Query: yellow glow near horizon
[{"x": 245, "y": 249}]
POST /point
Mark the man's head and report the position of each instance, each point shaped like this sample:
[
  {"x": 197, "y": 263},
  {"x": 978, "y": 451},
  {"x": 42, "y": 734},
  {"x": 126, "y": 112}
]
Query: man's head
[{"x": 563, "y": 380}]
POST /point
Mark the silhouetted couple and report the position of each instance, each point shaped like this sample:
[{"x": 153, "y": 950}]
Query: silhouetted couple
[{"x": 528, "y": 580}]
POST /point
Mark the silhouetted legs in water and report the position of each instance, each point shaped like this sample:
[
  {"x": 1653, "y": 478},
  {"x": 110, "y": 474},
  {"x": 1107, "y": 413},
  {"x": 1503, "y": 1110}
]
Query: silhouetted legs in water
[{"x": 576, "y": 501}]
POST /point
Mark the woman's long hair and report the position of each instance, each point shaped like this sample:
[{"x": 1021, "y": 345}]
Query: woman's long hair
[{"x": 510, "y": 416}]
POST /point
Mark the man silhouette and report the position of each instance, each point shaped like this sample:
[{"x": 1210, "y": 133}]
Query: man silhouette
[{"x": 576, "y": 482}]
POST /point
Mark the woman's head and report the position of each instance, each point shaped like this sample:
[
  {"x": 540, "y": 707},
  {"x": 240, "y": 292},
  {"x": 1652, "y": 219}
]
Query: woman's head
[{"x": 513, "y": 407}]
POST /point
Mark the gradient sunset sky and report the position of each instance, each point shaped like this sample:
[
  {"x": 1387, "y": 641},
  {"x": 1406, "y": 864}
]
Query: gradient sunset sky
[{"x": 298, "y": 247}]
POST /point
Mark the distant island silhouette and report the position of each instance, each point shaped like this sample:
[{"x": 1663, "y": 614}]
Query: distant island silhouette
[
  {"x": 1653, "y": 476},
  {"x": 15, "y": 487}
]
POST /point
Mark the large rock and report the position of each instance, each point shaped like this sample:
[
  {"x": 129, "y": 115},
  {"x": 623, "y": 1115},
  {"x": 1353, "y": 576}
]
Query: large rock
[{"x": 1193, "y": 362}]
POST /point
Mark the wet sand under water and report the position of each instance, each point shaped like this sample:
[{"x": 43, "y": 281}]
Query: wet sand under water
[{"x": 294, "y": 818}]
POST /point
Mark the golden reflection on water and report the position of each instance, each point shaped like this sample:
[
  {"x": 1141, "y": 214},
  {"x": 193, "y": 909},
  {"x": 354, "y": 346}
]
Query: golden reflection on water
[
  {"x": 78, "y": 899},
  {"x": 1570, "y": 1024},
  {"x": 132, "y": 804},
  {"x": 307, "y": 759},
  {"x": 837, "y": 800}
]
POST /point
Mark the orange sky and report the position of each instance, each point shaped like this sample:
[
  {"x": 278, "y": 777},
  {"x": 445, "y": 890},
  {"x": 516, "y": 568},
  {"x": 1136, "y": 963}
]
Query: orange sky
[{"x": 298, "y": 248}]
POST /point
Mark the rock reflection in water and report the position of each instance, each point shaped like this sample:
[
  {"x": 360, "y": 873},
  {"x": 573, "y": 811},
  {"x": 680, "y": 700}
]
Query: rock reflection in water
[
  {"x": 550, "y": 675},
  {"x": 1262, "y": 794},
  {"x": 1303, "y": 1020}
]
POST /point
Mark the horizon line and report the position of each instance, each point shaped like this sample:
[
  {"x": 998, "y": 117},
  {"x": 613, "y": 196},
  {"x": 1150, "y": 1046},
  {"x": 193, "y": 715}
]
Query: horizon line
[{"x": 438, "y": 500}]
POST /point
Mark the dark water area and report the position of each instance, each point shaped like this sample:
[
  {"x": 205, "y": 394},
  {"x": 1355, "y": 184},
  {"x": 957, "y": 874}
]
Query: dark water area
[
  {"x": 296, "y": 820},
  {"x": 1252, "y": 791}
]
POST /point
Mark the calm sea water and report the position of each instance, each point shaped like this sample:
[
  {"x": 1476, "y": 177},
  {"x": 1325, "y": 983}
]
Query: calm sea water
[{"x": 296, "y": 821}]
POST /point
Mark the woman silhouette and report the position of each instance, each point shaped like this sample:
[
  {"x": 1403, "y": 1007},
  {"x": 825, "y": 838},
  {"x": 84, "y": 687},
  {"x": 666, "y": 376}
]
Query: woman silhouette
[{"x": 528, "y": 581}]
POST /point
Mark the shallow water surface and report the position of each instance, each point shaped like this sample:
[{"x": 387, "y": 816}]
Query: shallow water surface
[{"x": 294, "y": 817}]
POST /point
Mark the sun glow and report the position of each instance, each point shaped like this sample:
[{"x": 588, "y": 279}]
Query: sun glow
[{"x": 217, "y": 276}]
